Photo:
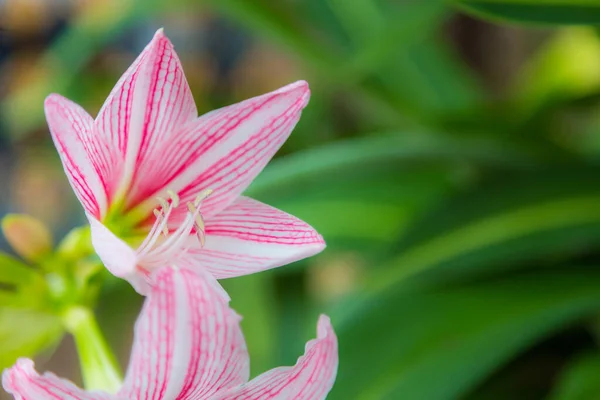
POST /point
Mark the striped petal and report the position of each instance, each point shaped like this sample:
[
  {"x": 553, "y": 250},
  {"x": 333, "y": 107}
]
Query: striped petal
[
  {"x": 225, "y": 149},
  {"x": 24, "y": 383},
  {"x": 249, "y": 236},
  {"x": 188, "y": 343},
  {"x": 310, "y": 379},
  {"x": 84, "y": 159},
  {"x": 150, "y": 102}
]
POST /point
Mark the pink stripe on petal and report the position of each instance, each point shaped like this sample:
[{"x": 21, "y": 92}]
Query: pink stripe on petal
[
  {"x": 225, "y": 149},
  {"x": 310, "y": 379},
  {"x": 150, "y": 101},
  {"x": 24, "y": 383},
  {"x": 250, "y": 236},
  {"x": 83, "y": 157},
  {"x": 188, "y": 343}
]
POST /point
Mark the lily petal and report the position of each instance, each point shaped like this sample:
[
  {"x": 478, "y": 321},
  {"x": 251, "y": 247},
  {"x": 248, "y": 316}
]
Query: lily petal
[
  {"x": 188, "y": 343},
  {"x": 116, "y": 255},
  {"x": 250, "y": 236},
  {"x": 310, "y": 379},
  {"x": 84, "y": 159},
  {"x": 24, "y": 383},
  {"x": 151, "y": 100},
  {"x": 225, "y": 149}
]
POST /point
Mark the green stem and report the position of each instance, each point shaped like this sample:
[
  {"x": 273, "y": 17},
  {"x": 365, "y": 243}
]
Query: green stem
[{"x": 98, "y": 365}]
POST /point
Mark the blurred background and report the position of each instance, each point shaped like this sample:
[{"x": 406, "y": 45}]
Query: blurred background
[{"x": 449, "y": 155}]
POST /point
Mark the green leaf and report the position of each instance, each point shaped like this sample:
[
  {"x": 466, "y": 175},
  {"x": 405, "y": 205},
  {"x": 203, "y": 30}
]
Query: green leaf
[
  {"x": 425, "y": 77},
  {"x": 580, "y": 380},
  {"x": 343, "y": 159},
  {"x": 364, "y": 191},
  {"x": 25, "y": 333},
  {"x": 20, "y": 284},
  {"x": 388, "y": 29},
  {"x": 562, "y": 12},
  {"x": 438, "y": 343},
  {"x": 499, "y": 224},
  {"x": 253, "y": 296},
  {"x": 275, "y": 22},
  {"x": 362, "y": 19},
  {"x": 565, "y": 67},
  {"x": 15, "y": 272}
]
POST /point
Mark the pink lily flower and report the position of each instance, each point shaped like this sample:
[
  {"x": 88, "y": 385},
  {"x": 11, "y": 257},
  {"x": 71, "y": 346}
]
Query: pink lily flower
[
  {"x": 148, "y": 142},
  {"x": 188, "y": 345}
]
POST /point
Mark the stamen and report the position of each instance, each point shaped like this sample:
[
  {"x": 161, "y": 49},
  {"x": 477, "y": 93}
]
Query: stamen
[
  {"x": 159, "y": 217},
  {"x": 163, "y": 203},
  {"x": 155, "y": 252},
  {"x": 198, "y": 223},
  {"x": 174, "y": 198},
  {"x": 202, "y": 196},
  {"x": 201, "y": 237},
  {"x": 194, "y": 209}
]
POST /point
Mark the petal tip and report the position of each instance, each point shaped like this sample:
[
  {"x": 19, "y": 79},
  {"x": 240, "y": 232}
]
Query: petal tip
[
  {"x": 324, "y": 327},
  {"x": 160, "y": 36},
  {"x": 23, "y": 367},
  {"x": 299, "y": 88},
  {"x": 53, "y": 99},
  {"x": 321, "y": 241},
  {"x": 57, "y": 103},
  {"x": 317, "y": 246}
]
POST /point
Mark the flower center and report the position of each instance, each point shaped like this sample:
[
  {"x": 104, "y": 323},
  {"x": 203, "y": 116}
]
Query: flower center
[{"x": 162, "y": 245}]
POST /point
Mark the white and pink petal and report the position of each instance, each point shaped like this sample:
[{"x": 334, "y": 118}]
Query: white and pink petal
[
  {"x": 310, "y": 379},
  {"x": 250, "y": 236},
  {"x": 225, "y": 149},
  {"x": 150, "y": 102},
  {"x": 84, "y": 158},
  {"x": 117, "y": 256},
  {"x": 188, "y": 343},
  {"x": 24, "y": 383}
]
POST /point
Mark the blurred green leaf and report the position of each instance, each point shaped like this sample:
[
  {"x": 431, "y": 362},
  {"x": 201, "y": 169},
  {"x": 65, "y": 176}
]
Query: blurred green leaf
[
  {"x": 25, "y": 333},
  {"x": 564, "y": 12},
  {"x": 389, "y": 30},
  {"x": 444, "y": 81},
  {"x": 276, "y": 22},
  {"x": 254, "y": 299},
  {"x": 15, "y": 272},
  {"x": 356, "y": 156},
  {"x": 438, "y": 343},
  {"x": 580, "y": 380},
  {"x": 20, "y": 284},
  {"x": 513, "y": 219},
  {"x": 362, "y": 19},
  {"x": 427, "y": 79},
  {"x": 365, "y": 191},
  {"x": 566, "y": 66}
]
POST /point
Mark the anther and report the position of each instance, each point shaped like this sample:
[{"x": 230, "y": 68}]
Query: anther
[
  {"x": 163, "y": 203},
  {"x": 174, "y": 198},
  {"x": 202, "y": 196},
  {"x": 198, "y": 218},
  {"x": 201, "y": 237}
]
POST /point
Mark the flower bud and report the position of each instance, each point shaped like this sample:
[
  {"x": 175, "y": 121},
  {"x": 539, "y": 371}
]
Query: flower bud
[{"x": 29, "y": 237}]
